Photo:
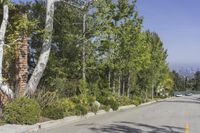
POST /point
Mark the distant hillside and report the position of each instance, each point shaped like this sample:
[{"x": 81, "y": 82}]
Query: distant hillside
[{"x": 185, "y": 69}]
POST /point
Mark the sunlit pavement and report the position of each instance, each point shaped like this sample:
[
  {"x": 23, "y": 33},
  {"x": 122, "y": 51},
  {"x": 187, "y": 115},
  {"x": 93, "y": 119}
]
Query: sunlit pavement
[{"x": 177, "y": 115}]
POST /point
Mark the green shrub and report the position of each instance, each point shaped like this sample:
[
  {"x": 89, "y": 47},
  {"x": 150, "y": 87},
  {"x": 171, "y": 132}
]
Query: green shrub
[
  {"x": 103, "y": 97},
  {"x": 104, "y": 107},
  {"x": 84, "y": 104},
  {"x": 124, "y": 100},
  {"x": 46, "y": 98},
  {"x": 2, "y": 122},
  {"x": 95, "y": 106},
  {"x": 81, "y": 99},
  {"x": 81, "y": 109},
  {"x": 67, "y": 105},
  {"x": 91, "y": 100},
  {"x": 53, "y": 112},
  {"x": 114, "y": 104},
  {"x": 136, "y": 103},
  {"x": 137, "y": 100},
  {"x": 108, "y": 99},
  {"x": 58, "y": 109},
  {"x": 22, "y": 111}
]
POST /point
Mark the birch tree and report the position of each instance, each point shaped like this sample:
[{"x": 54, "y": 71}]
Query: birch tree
[
  {"x": 5, "y": 89},
  {"x": 2, "y": 36},
  {"x": 46, "y": 48}
]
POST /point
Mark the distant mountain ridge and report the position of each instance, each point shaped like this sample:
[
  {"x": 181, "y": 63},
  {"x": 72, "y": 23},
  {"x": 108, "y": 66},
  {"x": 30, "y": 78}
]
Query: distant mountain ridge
[{"x": 187, "y": 70}]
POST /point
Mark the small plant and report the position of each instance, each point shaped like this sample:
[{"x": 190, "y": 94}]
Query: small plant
[
  {"x": 22, "y": 111},
  {"x": 106, "y": 108},
  {"x": 59, "y": 109},
  {"x": 53, "y": 112},
  {"x": 114, "y": 104},
  {"x": 67, "y": 105},
  {"x": 108, "y": 99},
  {"x": 91, "y": 99},
  {"x": 136, "y": 103},
  {"x": 95, "y": 106},
  {"x": 46, "y": 98},
  {"x": 137, "y": 100},
  {"x": 81, "y": 99},
  {"x": 81, "y": 110},
  {"x": 123, "y": 100},
  {"x": 2, "y": 122}
]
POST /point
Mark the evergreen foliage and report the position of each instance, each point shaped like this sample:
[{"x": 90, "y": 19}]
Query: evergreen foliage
[
  {"x": 22, "y": 111},
  {"x": 124, "y": 64}
]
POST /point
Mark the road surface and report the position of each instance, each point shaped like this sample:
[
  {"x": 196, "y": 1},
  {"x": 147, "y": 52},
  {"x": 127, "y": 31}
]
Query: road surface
[{"x": 176, "y": 115}]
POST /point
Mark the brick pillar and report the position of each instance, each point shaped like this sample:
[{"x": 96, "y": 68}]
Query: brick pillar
[{"x": 21, "y": 64}]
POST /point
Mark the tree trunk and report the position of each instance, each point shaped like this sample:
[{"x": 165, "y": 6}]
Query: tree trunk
[
  {"x": 46, "y": 48},
  {"x": 22, "y": 63},
  {"x": 83, "y": 50},
  {"x": 123, "y": 87},
  {"x": 4, "y": 87},
  {"x": 2, "y": 36},
  {"x": 152, "y": 92},
  {"x": 119, "y": 85},
  {"x": 113, "y": 87},
  {"x": 146, "y": 95},
  {"x": 129, "y": 84},
  {"x": 109, "y": 79}
]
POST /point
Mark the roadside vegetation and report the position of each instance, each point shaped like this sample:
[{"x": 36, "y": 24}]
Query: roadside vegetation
[
  {"x": 99, "y": 58},
  {"x": 187, "y": 82}
]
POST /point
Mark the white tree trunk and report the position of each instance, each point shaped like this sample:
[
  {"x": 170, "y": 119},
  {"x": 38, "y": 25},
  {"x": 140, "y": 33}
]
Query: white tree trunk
[
  {"x": 2, "y": 36},
  {"x": 46, "y": 48},
  {"x": 3, "y": 87},
  {"x": 119, "y": 85},
  {"x": 114, "y": 85}
]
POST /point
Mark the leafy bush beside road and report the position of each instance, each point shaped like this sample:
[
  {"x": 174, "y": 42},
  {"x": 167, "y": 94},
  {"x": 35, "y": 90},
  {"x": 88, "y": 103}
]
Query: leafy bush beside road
[
  {"x": 115, "y": 63},
  {"x": 2, "y": 122},
  {"x": 137, "y": 100},
  {"x": 22, "y": 111},
  {"x": 28, "y": 111},
  {"x": 53, "y": 112},
  {"x": 81, "y": 110}
]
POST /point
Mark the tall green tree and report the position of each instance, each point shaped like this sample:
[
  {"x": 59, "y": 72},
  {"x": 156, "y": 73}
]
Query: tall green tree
[
  {"x": 157, "y": 69},
  {"x": 197, "y": 81}
]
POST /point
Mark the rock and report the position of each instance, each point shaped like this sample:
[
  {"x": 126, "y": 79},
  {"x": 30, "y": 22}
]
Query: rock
[
  {"x": 96, "y": 103},
  {"x": 110, "y": 110}
]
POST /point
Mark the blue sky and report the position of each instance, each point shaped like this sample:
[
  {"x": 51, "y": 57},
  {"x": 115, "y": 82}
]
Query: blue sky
[{"x": 178, "y": 24}]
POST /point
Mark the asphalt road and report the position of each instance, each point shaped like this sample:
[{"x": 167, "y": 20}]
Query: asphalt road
[{"x": 176, "y": 115}]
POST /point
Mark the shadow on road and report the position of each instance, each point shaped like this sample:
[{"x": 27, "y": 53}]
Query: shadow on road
[
  {"x": 198, "y": 99},
  {"x": 132, "y": 127}
]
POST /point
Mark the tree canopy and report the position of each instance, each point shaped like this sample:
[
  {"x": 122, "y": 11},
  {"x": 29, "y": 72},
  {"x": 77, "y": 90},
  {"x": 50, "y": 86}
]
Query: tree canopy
[{"x": 108, "y": 45}]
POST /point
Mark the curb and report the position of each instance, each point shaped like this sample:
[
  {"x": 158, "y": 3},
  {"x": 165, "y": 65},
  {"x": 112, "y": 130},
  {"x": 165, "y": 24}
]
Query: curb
[
  {"x": 70, "y": 119},
  {"x": 60, "y": 122},
  {"x": 126, "y": 107},
  {"x": 66, "y": 120},
  {"x": 147, "y": 103}
]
